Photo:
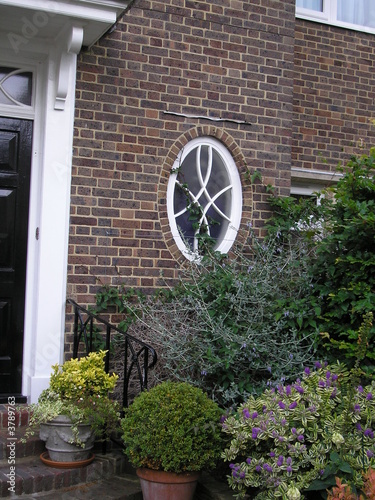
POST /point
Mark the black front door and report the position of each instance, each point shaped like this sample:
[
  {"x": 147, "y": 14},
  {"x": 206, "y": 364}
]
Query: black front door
[{"x": 15, "y": 166}]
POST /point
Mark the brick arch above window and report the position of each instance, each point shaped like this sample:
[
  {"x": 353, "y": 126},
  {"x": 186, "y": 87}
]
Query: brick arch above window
[{"x": 234, "y": 150}]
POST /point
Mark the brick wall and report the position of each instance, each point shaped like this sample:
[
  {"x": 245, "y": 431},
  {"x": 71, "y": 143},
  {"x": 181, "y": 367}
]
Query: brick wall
[
  {"x": 334, "y": 95},
  {"x": 231, "y": 59}
]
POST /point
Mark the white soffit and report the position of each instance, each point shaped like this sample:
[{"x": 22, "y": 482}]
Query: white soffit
[{"x": 43, "y": 20}]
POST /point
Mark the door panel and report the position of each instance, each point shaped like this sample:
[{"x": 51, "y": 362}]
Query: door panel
[
  {"x": 15, "y": 170},
  {"x": 8, "y": 212}
]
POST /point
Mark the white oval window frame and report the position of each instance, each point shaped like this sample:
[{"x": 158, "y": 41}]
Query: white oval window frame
[{"x": 236, "y": 198}]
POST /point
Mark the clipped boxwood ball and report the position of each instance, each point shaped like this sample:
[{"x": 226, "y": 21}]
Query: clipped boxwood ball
[{"x": 173, "y": 427}]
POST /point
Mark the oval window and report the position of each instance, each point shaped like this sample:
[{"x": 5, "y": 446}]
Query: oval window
[{"x": 204, "y": 198}]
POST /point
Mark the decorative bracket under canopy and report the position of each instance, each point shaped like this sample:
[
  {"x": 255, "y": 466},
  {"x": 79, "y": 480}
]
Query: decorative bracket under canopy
[{"x": 71, "y": 42}]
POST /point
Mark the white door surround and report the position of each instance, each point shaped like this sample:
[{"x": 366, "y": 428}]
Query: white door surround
[{"x": 45, "y": 38}]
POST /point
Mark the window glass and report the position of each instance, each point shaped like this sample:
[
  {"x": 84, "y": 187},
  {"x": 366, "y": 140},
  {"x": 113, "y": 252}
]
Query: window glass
[
  {"x": 204, "y": 198},
  {"x": 311, "y": 4},
  {"x": 361, "y": 12},
  {"x": 354, "y": 14},
  {"x": 15, "y": 87}
]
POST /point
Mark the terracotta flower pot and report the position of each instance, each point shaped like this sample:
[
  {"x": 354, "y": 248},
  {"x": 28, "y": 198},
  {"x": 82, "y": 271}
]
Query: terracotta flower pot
[{"x": 160, "y": 485}]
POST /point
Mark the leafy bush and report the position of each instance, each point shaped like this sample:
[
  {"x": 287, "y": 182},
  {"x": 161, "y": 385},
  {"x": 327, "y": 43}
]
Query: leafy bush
[
  {"x": 343, "y": 491},
  {"x": 344, "y": 269},
  {"x": 298, "y": 437},
  {"x": 80, "y": 378},
  {"x": 172, "y": 427},
  {"x": 221, "y": 328},
  {"x": 338, "y": 241},
  {"x": 79, "y": 390},
  {"x": 233, "y": 325}
]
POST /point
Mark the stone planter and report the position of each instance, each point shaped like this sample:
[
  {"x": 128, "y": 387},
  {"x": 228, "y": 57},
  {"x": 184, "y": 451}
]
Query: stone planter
[
  {"x": 58, "y": 435},
  {"x": 157, "y": 485}
]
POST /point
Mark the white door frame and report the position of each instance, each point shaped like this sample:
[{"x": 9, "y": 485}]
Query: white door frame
[
  {"x": 45, "y": 36},
  {"x": 48, "y": 211}
]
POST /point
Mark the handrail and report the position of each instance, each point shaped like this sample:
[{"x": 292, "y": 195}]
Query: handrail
[{"x": 136, "y": 352}]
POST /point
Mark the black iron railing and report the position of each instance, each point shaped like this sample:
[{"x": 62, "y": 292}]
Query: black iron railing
[{"x": 137, "y": 358}]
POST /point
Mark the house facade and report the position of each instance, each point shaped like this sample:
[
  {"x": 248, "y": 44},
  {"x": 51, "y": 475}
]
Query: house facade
[{"x": 120, "y": 117}]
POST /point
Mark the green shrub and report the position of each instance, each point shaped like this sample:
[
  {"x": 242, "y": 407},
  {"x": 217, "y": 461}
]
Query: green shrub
[
  {"x": 221, "y": 328},
  {"x": 79, "y": 389},
  {"x": 344, "y": 269},
  {"x": 338, "y": 239},
  {"x": 172, "y": 427},
  {"x": 298, "y": 437},
  {"x": 236, "y": 324}
]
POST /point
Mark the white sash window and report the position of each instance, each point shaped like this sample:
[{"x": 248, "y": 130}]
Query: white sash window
[{"x": 353, "y": 14}]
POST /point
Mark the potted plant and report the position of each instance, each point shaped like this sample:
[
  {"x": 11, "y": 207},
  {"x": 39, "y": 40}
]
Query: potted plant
[
  {"x": 75, "y": 409},
  {"x": 171, "y": 433}
]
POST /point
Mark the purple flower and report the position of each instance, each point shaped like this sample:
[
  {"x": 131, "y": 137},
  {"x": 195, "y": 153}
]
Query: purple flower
[
  {"x": 258, "y": 468},
  {"x": 272, "y": 454},
  {"x": 242, "y": 475},
  {"x": 369, "y": 433},
  {"x": 283, "y": 422},
  {"x": 281, "y": 405},
  {"x": 246, "y": 413},
  {"x": 321, "y": 383},
  {"x": 334, "y": 377},
  {"x": 289, "y": 469},
  {"x": 328, "y": 374},
  {"x": 288, "y": 390},
  {"x": 357, "y": 408},
  {"x": 299, "y": 389},
  {"x": 254, "y": 415},
  {"x": 307, "y": 370},
  {"x": 280, "y": 461},
  {"x": 360, "y": 389},
  {"x": 358, "y": 427},
  {"x": 317, "y": 365},
  {"x": 267, "y": 467},
  {"x": 294, "y": 430},
  {"x": 369, "y": 453},
  {"x": 333, "y": 393},
  {"x": 301, "y": 438},
  {"x": 255, "y": 431},
  {"x": 292, "y": 405},
  {"x": 369, "y": 396},
  {"x": 248, "y": 461},
  {"x": 289, "y": 461}
]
